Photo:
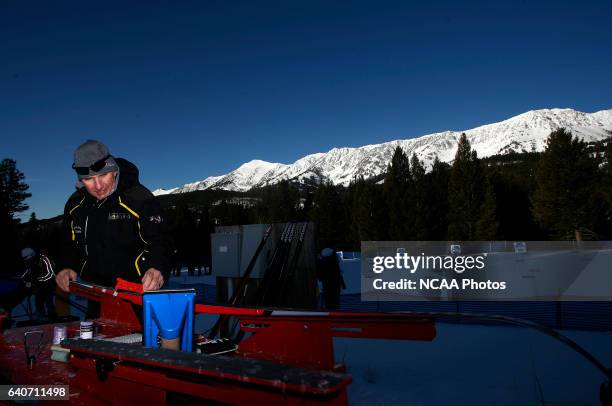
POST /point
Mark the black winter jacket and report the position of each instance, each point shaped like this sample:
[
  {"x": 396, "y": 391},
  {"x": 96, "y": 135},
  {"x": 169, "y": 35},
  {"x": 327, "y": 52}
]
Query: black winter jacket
[{"x": 120, "y": 236}]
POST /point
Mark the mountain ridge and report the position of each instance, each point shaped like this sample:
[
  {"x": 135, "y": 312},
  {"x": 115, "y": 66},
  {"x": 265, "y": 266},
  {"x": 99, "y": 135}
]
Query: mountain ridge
[{"x": 521, "y": 133}]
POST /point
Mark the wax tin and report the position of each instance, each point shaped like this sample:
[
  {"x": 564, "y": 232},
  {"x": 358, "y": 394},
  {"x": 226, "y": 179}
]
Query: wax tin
[{"x": 87, "y": 330}]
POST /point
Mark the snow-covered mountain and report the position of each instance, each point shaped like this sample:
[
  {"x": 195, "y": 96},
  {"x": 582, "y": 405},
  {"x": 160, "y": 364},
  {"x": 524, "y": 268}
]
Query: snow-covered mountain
[{"x": 522, "y": 133}]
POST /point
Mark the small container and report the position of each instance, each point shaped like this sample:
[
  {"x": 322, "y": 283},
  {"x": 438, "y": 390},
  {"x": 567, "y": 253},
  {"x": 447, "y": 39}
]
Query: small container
[
  {"x": 60, "y": 354},
  {"x": 59, "y": 333},
  {"x": 86, "y": 330}
]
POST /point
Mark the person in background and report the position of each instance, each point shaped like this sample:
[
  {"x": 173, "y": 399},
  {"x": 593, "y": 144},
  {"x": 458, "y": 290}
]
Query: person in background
[
  {"x": 113, "y": 226},
  {"x": 328, "y": 272},
  {"x": 37, "y": 278},
  {"x": 175, "y": 263}
]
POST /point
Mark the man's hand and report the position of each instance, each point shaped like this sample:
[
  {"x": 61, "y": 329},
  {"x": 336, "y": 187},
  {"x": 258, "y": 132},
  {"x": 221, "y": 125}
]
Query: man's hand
[
  {"x": 64, "y": 277},
  {"x": 152, "y": 279}
]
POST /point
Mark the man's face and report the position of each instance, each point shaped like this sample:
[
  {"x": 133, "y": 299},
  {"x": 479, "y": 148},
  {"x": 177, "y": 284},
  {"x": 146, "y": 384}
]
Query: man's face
[{"x": 100, "y": 186}]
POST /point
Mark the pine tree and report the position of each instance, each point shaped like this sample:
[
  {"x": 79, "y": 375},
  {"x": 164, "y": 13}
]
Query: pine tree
[
  {"x": 369, "y": 220},
  {"x": 606, "y": 168},
  {"x": 329, "y": 216},
  {"x": 396, "y": 193},
  {"x": 436, "y": 202},
  {"x": 280, "y": 203},
  {"x": 565, "y": 177},
  {"x": 608, "y": 154},
  {"x": 605, "y": 222},
  {"x": 465, "y": 193},
  {"x": 417, "y": 195},
  {"x": 487, "y": 224},
  {"x": 13, "y": 191},
  {"x": 512, "y": 178},
  {"x": 33, "y": 233}
]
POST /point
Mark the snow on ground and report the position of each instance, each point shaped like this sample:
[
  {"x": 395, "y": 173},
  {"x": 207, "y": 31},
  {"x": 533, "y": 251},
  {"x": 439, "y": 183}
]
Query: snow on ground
[
  {"x": 475, "y": 365},
  {"x": 470, "y": 364}
]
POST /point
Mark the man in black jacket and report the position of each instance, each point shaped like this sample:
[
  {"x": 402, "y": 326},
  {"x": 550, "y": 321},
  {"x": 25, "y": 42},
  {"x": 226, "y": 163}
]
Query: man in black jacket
[{"x": 113, "y": 226}]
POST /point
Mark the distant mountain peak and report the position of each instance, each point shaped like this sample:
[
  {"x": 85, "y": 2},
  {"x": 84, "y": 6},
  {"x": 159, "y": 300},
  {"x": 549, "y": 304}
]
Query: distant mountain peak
[{"x": 522, "y": 133}]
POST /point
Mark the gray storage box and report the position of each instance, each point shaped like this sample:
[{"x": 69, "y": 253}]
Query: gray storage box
[
  {"x": 225, "y": 254},
  {"x": 232, "y": 251},
  {"x": 252, "y": 234}
]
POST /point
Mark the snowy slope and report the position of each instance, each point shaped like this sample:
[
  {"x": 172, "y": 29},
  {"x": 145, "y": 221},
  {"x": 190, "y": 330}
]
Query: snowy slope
[{"x": 522, "y": 133}]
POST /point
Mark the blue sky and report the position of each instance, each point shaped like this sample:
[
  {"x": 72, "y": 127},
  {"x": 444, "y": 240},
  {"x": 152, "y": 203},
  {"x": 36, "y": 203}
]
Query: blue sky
[{"x": 194, "y": 89}]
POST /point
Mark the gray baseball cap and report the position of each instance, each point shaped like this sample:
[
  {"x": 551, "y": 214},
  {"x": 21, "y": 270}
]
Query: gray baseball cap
[{"x": 93, "y": 158}]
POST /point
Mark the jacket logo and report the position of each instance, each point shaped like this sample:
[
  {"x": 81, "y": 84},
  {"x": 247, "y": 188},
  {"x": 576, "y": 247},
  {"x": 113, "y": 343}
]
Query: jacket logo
[
  {"x": 77, "y": 229},
  {"x": 119, "y": 216},
  {"x": 156, "y": 219}
]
